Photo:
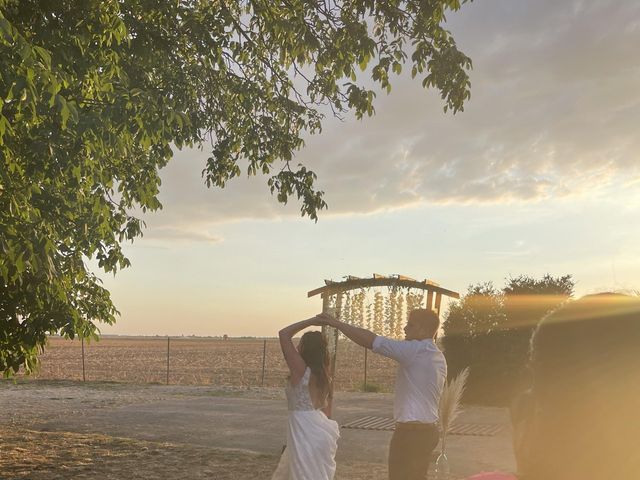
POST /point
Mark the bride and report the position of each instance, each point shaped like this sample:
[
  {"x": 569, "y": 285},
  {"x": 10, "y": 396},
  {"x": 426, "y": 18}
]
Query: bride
[{"x": 311, "y": 435}]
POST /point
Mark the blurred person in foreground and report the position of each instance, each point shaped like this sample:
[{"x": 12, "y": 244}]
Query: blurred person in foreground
[
  {"x": 311, "y": 435},
  {"x": 420, "y": 378},
  {"x": 580, "y": 420}
]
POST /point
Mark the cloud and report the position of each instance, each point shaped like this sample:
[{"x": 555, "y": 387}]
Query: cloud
[
  {"x": 185, "y": 234},
  {"x": 554, "y": 114}
]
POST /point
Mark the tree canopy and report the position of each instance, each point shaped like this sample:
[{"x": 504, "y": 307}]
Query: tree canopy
[
  {"x": 489, "y": 330},
  {"x": 96, "y": 95}
]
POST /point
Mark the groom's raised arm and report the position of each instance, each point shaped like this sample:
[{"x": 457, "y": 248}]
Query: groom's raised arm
[{"x": 361, "y": 336}]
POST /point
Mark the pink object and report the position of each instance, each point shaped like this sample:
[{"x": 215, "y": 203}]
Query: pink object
[{"x": 493, "y": 476}]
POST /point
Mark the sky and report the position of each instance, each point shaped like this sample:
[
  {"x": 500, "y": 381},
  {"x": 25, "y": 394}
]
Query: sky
[{"x": 539, "y": 174}]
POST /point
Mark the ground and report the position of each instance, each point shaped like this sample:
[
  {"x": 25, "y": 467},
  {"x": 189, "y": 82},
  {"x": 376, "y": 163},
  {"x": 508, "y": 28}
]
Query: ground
[{"x": 73, "y": 430}]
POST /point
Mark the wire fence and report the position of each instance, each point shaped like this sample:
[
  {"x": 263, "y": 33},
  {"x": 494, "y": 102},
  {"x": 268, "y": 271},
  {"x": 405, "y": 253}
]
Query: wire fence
[{"x": 201, "y": 361}]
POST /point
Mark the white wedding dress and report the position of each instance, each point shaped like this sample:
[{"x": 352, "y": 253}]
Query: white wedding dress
[{"x": 311, "y": 438}]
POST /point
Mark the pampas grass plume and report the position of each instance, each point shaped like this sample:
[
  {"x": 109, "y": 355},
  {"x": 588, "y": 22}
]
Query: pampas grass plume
[{"x": 451, "y": 402}]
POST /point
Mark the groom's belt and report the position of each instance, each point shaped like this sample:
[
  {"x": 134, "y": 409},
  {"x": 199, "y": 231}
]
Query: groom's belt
[{"x": 415, "y": 426}]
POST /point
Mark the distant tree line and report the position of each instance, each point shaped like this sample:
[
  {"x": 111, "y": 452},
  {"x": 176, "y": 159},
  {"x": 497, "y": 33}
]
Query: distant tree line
[{"x": 489, "y": 329}]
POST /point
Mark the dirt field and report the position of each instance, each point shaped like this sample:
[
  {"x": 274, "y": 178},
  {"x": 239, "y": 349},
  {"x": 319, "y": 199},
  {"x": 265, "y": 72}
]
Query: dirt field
[
  {"x": 213, "y": 421},
  {"x": 54, "y": 430},
  {"x": 199, "y": 361},
  {"x": 30, "y": 449},
  {"x": 32, "y": 455}
]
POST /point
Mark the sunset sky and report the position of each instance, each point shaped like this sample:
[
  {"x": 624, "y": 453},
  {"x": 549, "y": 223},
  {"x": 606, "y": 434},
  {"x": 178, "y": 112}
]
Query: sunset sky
[{"x": 539, "y": 174}]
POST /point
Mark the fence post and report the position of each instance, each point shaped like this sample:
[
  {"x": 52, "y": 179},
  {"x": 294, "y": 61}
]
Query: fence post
[
  {"x": 364, "y": 387},
  {"x": 168, "y": 346},
  {"x": 264, "y": 357},
  {"x": 83, "y": 374}
]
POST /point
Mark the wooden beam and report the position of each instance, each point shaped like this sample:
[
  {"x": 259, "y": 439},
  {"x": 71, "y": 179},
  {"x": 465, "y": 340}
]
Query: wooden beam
[
  {"x": 402, "y": 277},
  {"x": 438, "y": 302},
  {"x": 330, "y": 335},
  {"x": 380, "y": 281}
]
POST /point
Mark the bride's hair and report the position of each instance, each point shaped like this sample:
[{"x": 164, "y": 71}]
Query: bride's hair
[{"x": 313, "y": 349}]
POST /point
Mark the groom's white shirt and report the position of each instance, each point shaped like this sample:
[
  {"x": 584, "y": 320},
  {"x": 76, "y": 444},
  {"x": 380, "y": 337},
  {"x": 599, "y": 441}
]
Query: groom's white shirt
[{"x": 421, "y": 375}]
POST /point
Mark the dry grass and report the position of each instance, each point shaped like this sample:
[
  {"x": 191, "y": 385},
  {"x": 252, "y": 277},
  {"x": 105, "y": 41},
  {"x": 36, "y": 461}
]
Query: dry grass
[
  {"x": 27, "y": 454},
  {"x": 199, "y": 361},
  {"x": 451, "y": 401}
]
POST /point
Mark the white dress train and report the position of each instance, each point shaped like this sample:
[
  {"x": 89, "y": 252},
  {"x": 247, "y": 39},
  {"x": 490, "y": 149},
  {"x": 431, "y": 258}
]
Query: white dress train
[{"x": 311, "y": 438}]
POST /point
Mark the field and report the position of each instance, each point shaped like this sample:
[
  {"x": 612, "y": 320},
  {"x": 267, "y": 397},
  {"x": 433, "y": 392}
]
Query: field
[
  {"x": 214, "y": 420},
  {"x": 63, "y": 430},
  {"x": 200, "y": 361},
  {"x": 39, "y": 440}
]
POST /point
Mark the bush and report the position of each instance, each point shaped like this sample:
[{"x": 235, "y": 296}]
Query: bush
[
  {"x": 488, "y": 330},
  {"x": 370, "y": 387}
]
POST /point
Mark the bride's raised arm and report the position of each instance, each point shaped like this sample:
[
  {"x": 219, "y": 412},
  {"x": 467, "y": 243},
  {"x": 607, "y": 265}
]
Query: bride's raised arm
[{"x": 294, "y": 360}]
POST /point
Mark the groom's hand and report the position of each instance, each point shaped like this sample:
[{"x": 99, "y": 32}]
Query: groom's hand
[
  {"x": 327, "y": 319},
  {"x": 361, "y": 336}
]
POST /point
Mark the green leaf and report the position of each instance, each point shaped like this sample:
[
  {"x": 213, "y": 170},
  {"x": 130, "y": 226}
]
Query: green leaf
[
  {"x": 44, "y": 55},
  {"x": 6, "y": 30},
  {"x": 101, "y": 97}
]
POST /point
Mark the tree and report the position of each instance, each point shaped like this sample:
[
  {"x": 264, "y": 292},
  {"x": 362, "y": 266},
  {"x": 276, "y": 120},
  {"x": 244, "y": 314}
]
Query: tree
[
  {"x": 527, "y": 299},
  {"x": 469, "y": 328},
  {"x": 479, "y": 311},
  {"x": 97, "y": 94},
  {"x": 489, "y": 330}
]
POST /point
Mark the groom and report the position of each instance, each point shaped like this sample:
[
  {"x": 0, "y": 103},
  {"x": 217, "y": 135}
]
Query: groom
[{"x": 421, "y": 375}]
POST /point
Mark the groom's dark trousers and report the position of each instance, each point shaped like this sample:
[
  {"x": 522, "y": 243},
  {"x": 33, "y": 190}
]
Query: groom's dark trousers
[{"x": 410, "y": 450}]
